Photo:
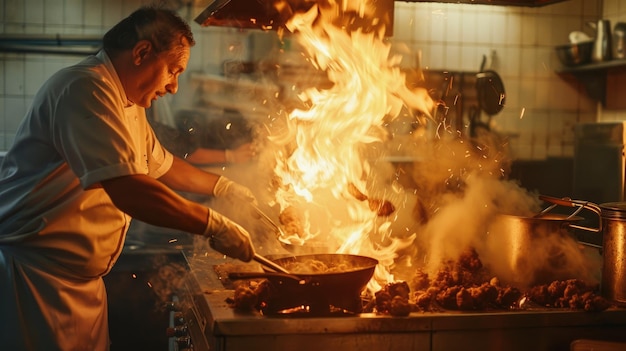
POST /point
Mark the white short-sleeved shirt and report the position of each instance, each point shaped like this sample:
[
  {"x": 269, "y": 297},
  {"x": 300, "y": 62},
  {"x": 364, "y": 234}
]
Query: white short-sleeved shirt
[{"x": 80, "y": 130}]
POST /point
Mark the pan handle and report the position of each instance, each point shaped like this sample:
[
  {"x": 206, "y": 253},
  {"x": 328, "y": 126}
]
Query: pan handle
[
  {"x": 579, "y": 205},
  {"x": 271, "y": 264},
  {"x": 264, "y": 275}
]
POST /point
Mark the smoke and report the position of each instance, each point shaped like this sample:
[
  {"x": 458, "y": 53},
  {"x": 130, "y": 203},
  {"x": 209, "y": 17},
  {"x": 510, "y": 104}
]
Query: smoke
[{"x": 465, "y": 199}]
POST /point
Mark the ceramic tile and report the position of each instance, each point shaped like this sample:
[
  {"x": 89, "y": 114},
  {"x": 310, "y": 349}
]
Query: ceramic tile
[
  {"x": 469, "y": 29},
  {"x": 35, "y": 11},
  {"x": 3, "y": 117},
  {"x": 544, "y": 57},
  {"x": 404, "y": 23},
  {"x": 610, "y": 7},
  {"x": 434, "y": 57},
  {"x": 14, "y": 11},
  {"x": 560, "y": 26},
  {"x": 53, "y": 12},
  {"x": 437, "y": 28},
  {"x": 93, "y": 14},
  {"x": 14, "y": 110},
  {"x": 73, "y": 12},
  {"x": 35, "y": 76},
  {"x": 112, "y": 13},
  {"x": 14, "y": 77},
  {"x": 528, "y": 23},
  {"x": 528, "y": 64},
  {"x": 499, "y": 29},
  {"x": 453, "y": 26},
  {"x": 2, "y": 74},
  {"x": 484, "y": 28},
  {"x": 421, "y": 24},
  {"x": 470, "y": 58}
]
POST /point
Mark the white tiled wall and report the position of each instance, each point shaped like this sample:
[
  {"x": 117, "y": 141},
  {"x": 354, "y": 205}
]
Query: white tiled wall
[{"x": 541, "y": 108}]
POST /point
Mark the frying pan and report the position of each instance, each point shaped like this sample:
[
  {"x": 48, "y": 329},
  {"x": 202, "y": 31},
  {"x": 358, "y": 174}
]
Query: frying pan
[
  {"x": 320, "y": 291},
  {"x": 490, "y": 90},
  {"x": 490, "y": 95}
]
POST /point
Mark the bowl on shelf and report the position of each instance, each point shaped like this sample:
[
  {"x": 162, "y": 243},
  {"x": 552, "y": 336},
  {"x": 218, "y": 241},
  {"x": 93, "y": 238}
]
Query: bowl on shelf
[{"x": 575, "y": 54}]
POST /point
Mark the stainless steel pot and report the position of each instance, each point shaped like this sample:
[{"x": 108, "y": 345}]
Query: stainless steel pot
[
  {"x": 534, "y": 250},
  {"x": 613, "y": 284}
]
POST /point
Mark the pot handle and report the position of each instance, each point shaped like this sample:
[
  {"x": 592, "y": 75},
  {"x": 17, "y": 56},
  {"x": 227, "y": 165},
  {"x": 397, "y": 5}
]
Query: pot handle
[{"x": 579, "y": 204}]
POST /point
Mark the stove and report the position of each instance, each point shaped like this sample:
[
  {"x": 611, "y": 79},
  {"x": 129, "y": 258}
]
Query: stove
[{"x": 211, "y": 324}]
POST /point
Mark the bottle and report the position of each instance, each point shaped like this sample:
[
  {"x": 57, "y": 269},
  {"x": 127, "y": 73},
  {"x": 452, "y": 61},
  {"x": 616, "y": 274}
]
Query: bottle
[{"x": 602, "y": 47}]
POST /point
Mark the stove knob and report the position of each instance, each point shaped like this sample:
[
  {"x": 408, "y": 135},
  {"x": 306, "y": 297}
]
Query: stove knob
[
  {"x": 183, "y": 342},
  {"x": 180, "y": 330},
  {"x": 173, "y": 306},
  {"x": 178, "y": 318}
]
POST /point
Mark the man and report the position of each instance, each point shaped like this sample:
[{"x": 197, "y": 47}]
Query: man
[{"x": 84, "y": 162}]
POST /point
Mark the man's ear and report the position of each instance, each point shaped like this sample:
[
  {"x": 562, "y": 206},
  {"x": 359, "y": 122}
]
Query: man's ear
[{"x": 141, "y": 51}]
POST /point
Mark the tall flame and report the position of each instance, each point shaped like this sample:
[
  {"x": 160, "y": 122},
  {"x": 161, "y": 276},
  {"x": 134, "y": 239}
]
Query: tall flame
[{"x": 332, "y": 146}]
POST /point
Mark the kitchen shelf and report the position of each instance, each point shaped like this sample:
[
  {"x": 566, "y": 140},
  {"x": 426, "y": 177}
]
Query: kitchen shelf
[
  {"x": 599, "y": 79},
  {"x": 600, "y": 66}
]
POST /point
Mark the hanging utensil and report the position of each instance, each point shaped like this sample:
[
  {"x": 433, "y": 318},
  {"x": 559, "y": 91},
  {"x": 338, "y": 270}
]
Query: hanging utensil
[{"x": 490, "y": 90}]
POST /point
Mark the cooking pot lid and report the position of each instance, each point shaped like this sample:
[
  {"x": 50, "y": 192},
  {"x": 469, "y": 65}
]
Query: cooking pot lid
[{"x": 613, "y": 210}]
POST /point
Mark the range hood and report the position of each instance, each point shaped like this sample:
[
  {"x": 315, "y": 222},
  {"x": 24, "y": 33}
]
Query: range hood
[
  {"x": 273, "y": 14},
  {"x": 260, "y": 14}
]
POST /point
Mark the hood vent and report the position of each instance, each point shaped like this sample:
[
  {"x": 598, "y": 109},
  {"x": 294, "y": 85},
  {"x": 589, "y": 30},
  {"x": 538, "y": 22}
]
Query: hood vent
[
  {"x": 259, "y": 14},
  {"x": 273, "y": 14}
]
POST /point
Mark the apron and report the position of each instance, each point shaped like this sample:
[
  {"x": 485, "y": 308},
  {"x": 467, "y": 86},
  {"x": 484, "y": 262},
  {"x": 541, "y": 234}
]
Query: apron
[{"x": 80, "y": 306}]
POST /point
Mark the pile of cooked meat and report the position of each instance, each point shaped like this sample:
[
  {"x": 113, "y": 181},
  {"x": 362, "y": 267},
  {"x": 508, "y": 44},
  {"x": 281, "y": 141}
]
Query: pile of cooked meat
[{"x": 465, "y": 285}]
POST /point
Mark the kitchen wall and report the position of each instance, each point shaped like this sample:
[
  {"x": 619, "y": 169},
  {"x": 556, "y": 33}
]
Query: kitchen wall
[{"x": 541, "y": 106}]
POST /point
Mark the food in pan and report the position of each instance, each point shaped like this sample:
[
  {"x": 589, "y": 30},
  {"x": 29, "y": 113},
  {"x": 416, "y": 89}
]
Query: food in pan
[
  {"x": 292, "y": 224},
  {"x": 313, "y": 266}
]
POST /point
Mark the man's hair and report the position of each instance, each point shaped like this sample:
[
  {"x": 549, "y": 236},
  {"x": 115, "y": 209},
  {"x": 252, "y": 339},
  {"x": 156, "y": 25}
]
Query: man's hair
[{"x": 162, "y": 27}]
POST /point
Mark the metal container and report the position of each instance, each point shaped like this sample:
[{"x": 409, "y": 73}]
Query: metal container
[
  {"x": 613, "y": 285},
  {"x": 535, "y": 250},
  {"x": 602, "y": 48},
  {"x": 619, "y": 41},
  {"x": 575, "y": 54}
]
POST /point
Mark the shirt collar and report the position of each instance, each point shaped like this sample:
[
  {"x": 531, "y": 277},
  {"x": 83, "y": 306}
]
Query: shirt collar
[{"x": 104, "y": 57}]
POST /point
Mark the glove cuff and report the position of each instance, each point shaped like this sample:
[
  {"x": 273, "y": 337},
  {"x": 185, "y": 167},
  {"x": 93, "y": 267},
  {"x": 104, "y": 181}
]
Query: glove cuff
[
  {"x": 221, "y": 186},
  {"x": 213, "y": 223},
  {"x": 229, "y": 156}
]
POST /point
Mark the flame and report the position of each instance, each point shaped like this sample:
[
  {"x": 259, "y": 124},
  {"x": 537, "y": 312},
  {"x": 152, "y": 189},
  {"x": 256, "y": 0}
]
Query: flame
[{"x": 335, "y": 142}]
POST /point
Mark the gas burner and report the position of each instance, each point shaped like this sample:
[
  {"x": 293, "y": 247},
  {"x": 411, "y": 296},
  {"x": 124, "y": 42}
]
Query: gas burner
[{"x": 304, "y": 311}]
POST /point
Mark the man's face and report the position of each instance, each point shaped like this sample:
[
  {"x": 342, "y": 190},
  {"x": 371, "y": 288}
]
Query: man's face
[{"x": 157, "y": 75}]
